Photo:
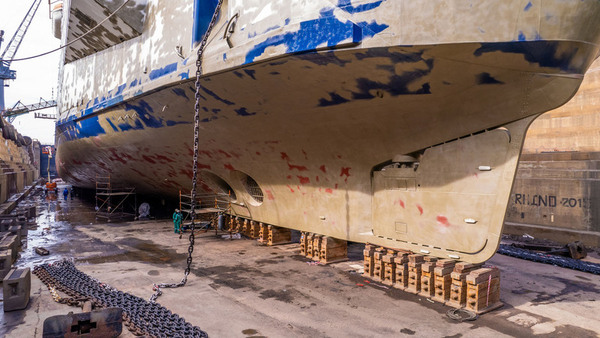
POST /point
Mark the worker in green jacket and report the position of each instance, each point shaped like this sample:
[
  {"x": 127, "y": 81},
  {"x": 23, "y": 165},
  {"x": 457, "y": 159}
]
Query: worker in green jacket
[{"x": 177, "y": 220}]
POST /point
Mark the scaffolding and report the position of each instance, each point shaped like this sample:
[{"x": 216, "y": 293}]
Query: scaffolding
[{"x": 114, "y": 202}]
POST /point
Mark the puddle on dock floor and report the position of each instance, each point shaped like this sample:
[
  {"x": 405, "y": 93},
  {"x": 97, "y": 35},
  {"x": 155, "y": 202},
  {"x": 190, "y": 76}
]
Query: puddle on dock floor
[
  {"x": 55, "y": 229},
  {"x": 56, "y": 219}
]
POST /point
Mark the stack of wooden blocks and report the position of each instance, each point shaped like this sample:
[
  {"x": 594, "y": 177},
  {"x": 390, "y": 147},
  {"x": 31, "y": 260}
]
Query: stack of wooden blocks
[
  {"x": 378, "y": 268},
  {"x": 389, "y": 267},
  {"x": 368, "y": 262},
  {"x": 333, "y": 250},
  {"x": 427, "y": 277},
  {"x": 278, "y": 235},
  {"x": 263, "y": 233},
  {"x": 414, "y": 273},
  {"x": 323, "y": 249},
  {"x": 443, "y": 279},
  {"x": 254, "y": 230},
  {"x": 483, "y": 290},
  {"x": 456, "y": 284},
  {"x": 401, "y": 262}
]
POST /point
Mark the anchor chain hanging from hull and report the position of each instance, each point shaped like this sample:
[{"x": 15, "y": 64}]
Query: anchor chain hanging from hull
[{"x": 157, "y": 287}]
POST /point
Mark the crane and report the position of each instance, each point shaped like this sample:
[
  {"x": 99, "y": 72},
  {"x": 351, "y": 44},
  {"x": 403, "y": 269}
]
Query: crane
[
  {"x": 20, "y": 109},
  {"x": 11, "y": 49}
]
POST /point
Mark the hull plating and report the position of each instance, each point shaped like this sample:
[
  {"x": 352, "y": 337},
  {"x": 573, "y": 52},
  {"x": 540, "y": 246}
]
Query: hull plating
[{"x": 318, "y": 131}]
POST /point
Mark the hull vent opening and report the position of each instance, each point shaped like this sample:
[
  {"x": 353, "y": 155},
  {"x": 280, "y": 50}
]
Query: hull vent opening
[
  {"x": 218, "y": 185},
  {"x": 253, "y": 189}
]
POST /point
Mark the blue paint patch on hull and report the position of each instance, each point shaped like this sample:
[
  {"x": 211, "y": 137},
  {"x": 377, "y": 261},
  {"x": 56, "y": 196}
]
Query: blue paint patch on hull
[
  {"x": 544, "y": 53},
  {"x": 486, "y": 78},
  {"x": 168, "y": 69},
  {"x": 347, "y": 7},
  {"x": 243, "y": 112},
  {"x": 327, "y": 31}
]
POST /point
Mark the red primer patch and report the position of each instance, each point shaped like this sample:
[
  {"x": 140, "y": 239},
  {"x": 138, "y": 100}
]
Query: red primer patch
[
  {"x": 420, "y": 209},
  {"x": 317, "y": 178},
  {"x": 329, "y": 191},
  {"x": 285, "y": 156},
  {"x": 323, "y": 169},
  {"x": 269, "y": 195},
  {"x": 345, "y": 172},
  {"x": 148, "y": 159},
  {"x": 289, "y": 177},
  {"x": 224, "y": 153},
  {"x": 305, "y": 155},
  {"x": 304, "y": 180},
  {"x": 258, "y": 153},
  {"x": 401, "y": 202},
  {"x": 292, "y": 190},
  {"x": 298, "y": 167},
  {"x": 163, "y": 158},
  {"x": 187, "y": 172},
  {"x": 443, "y": 221},
  {"x": 228, "y": 166}
]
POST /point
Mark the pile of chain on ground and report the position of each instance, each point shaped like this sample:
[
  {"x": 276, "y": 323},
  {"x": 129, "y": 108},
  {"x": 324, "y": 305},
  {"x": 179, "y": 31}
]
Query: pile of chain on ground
[
  {"x": 539, "y": 257},
  {"x": 141, "y": 317}
]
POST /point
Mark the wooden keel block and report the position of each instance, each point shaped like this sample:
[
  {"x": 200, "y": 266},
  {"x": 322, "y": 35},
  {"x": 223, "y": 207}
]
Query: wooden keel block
[
  {"x": 231, "y": 227},
  {"x": 246, "y": 227},
  {"x": 401, "y": 262},
  {"x": 333, "y": 250},
  {"x": 238, "y": 224},
  {"x": 303, "y": 243},
  {"x": 378, "y": 268},
  {"x": 458, "y": 287},
  {"x": 427, "y": 279},
  {"x": 278, "y": 235},
  {"x": 483, "y": 290},
  {"x": 263, "y": 233},
  {"x": 316, "y": 247},
  {"x": 414, "y": 273},
  {"x": 309, "y": 245},
  {"x": 389, "y": 267},
  {"x": 254, "y": 229},
  {"x": 443, "y": 279},
  {"x": 368, "y": 253}
]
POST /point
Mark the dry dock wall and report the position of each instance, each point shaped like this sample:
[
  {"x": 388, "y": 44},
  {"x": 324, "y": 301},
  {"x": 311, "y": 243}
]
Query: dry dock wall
[{"x": 556, "y": 194}]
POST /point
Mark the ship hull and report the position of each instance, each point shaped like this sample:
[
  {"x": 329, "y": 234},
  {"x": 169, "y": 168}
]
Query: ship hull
[{"x": 406, "y": 146}]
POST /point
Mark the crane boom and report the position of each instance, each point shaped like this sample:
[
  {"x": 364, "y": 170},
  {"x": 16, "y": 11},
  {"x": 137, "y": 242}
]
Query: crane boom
[
  {"x": 20, "y": 109},
  {"x": 11, "y": 49},
  {"x": 15, "y": 41}
]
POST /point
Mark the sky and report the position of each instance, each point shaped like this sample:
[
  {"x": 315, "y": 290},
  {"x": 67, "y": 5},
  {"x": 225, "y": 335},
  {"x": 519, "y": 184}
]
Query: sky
[{"x": 35, "y": 78}]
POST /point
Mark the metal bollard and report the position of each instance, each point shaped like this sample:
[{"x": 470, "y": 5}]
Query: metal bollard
[{"x": 16, "y": 288}]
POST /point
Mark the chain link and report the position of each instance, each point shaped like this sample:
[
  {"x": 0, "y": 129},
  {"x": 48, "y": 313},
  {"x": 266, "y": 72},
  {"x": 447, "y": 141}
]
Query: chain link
[
  {"x": 565, "y": 262},
  {"x": 139, "y": 316},
  {"x": 156, "y": 287}
]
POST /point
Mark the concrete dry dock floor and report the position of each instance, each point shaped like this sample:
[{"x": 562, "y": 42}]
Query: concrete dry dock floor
[{"x": 238, "y": 288}]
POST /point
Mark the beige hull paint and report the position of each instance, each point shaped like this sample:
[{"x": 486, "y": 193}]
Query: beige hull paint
[
  {"x": 316, "y": 130},
  {"x": 312, "y": 162}
]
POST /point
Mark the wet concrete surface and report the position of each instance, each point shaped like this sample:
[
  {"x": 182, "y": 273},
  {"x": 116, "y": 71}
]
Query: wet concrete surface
[{"x": 238, "y": 288}]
